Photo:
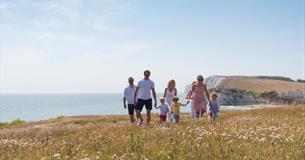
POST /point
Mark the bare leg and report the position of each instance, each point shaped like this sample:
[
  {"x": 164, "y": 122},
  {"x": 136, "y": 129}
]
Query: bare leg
[
  {"x": 132, "y": 118},
  {"x": 197, "y": 114},
  {"x": 139, "y": 116},
  {"x": 210, "y": 117},
  {"x": 148, "y": 116}
]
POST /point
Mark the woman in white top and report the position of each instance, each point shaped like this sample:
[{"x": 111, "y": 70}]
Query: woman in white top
[{"x": 169, "y": 93}]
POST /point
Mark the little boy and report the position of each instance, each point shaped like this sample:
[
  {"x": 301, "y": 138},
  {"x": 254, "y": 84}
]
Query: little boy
[
  {"x": 164, "y": 109},
  {"x": 214, "y": 108}
]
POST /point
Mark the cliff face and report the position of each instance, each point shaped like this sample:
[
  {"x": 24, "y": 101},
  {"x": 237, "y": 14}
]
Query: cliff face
[
  {"x": 214, "y": 81},
  {"x": 235, "y": 96}
]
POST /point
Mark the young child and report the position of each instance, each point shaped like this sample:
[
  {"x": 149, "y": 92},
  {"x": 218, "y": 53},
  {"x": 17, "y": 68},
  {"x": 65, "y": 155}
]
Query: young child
[
  {"x": 214, "y": 108},
  {"x": 164, "y": 109},
  {"x": 175, "y": 108}
]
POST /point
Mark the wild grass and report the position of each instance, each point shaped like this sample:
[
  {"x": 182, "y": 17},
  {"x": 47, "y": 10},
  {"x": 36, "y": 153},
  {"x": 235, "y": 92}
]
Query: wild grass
[{"x": 269, "y": 133}]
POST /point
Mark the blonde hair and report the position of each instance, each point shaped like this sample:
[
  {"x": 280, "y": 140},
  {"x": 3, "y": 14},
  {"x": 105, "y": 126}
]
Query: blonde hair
[{"x": 171, "y": 83}]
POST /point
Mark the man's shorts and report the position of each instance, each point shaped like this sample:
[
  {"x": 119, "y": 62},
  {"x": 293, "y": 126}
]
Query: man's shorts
[
  {"x": 131, "y": 108},
  {"x": 141, "y": 103}
]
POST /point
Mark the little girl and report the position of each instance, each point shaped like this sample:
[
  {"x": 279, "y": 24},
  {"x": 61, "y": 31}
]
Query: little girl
[
  {"x": 164, "y": 109},
  {"x": 175, "y": 107},
  {"x": 214, "y": 108}
]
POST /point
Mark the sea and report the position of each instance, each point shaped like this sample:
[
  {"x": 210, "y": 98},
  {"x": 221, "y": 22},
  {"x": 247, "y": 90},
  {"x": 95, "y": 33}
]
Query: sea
[{"x": 35, "y": 107}]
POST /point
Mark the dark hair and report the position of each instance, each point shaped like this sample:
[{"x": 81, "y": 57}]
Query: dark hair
[
  {"x": 214, "y": 95},
  {"x": 175, "y": 98},
  {"x": 146, "y": 71}
]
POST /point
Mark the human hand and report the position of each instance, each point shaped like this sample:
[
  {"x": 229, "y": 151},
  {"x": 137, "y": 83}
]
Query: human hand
[
  {"x": 155, "y": 104},
  {"x": 125, "y": 106}
]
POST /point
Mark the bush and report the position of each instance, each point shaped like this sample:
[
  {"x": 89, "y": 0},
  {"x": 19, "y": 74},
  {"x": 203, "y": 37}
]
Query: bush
[
  {"x": 269, "y": 94},
  {"x": 4, "y": 124},
  {"x": 17, "y": 122}
]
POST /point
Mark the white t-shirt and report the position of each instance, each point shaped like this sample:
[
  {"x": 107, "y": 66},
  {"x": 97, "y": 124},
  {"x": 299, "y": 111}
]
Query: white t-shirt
[
  {"x": 129, "y": 94},
  {"x": 145, "y": 87},
  {"x": 164, "y": 109}
]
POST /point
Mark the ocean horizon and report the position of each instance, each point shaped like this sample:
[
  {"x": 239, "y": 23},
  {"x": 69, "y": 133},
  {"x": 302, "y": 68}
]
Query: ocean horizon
[{"x": 42, "y": 106}]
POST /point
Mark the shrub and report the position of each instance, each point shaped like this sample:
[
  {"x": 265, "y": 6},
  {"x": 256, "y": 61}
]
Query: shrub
[{"x": 17, "y": 122}]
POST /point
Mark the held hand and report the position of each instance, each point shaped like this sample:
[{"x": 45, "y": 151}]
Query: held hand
[
  {"x": 155, "y": 104},
  {"x": 125, "y": 106}
]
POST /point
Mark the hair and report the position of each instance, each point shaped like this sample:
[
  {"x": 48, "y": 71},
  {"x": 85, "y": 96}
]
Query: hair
[
  {"x": 162, "y": 98},
  {"x": 200, "y": 77},
  {"x": 175, "y": 98},
  {"x": 171, "y": 82},
  {"x": 130, "y": 78},
  {"x": 214, "y": 95},
  {"x": 146, "y": 71}
]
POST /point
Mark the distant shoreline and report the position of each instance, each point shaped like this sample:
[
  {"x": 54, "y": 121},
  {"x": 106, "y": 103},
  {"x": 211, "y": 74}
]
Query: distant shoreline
[{"x": 223, "y": 108}]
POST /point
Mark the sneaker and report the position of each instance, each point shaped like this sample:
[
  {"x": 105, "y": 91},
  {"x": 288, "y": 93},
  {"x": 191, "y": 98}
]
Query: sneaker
[{"x": 140, "y": 122}]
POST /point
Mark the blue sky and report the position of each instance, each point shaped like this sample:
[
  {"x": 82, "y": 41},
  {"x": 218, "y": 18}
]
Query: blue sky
[{"x": 94, "y": 46}]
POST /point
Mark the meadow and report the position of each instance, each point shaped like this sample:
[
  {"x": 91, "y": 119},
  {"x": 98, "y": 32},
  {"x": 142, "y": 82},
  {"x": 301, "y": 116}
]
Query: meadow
[{"x": 267, "y": 133}]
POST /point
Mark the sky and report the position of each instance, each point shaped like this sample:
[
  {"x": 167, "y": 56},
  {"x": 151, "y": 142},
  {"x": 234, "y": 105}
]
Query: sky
[{"x": 94, "y": 46}]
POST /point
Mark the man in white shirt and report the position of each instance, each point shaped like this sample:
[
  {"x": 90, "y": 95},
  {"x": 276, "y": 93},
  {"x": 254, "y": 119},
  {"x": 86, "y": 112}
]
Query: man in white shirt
[
  {"x": 145, "y": 88},
  {"x": 129, "y": 93}
]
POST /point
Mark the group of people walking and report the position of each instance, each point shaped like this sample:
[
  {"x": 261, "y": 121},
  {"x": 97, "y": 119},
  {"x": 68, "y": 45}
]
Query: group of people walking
[{"x": 143, "y": 94}]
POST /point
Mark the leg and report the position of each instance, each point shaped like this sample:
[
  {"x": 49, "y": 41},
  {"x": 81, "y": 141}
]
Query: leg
[
  {"x": 148, "y": 116},
  {"x": 131, "y": 118},
  {"x": 139, "y": 108},
  {"x": 177, "y": 118},
  {"x": 139, "y": 116},
  {"x": 197, "y": 114},
  {"x": 148, "y": 106},
  {"x": 131, "y": 109}
]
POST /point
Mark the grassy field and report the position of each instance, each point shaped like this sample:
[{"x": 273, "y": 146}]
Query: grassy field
[
  {"x": 262, "y": 85},
  {"x": 269, "y": 133}
]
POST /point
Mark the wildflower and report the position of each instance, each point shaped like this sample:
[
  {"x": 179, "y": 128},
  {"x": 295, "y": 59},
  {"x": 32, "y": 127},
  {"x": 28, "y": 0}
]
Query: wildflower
[
  {"x": 56, "y": 156},
  {"x": 263, "y": 140},
  {"x": 113, "y": 156}
]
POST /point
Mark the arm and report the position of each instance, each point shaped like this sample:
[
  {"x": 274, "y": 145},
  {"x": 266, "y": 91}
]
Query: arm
[
  {"x": 135, "y": 95},
  {"x": 124, "y": 98},
  {"x": 154, "y": 96},
  {"x": 191, "y": 92},
  {"x": 207, "y": 93},
  {"x": 164, "y": 95},
  {"x": 176, "y": 91},
  {"x": 185, "y": 103},
  {"x": 124, "y": 102}
]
